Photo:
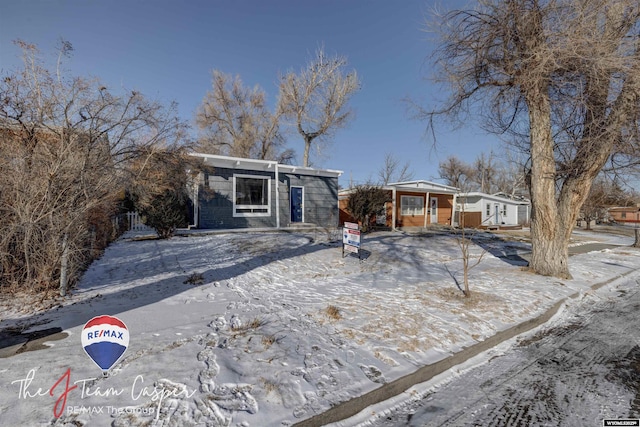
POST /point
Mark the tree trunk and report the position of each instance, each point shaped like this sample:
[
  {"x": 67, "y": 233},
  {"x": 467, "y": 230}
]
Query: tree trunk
[
  {"x": 307, "y": 147},
  {"x": 64, "y": 265},
  {"x": 550, "y": 257},
  {"x": 549, "y": 231},
  {"x": 465, "y": 261},
  {"x": 636, "y": 244}
]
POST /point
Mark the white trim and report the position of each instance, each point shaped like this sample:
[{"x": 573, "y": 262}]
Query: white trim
[
  {"x": 424, "y": 185},
  {"x": 291, "y": 201},
  {"x": 237, "y": 214},
  {"x": 494, "y": 198},
  {"x": 277, "y": 196},
  {"x": 261, "y": 165},
  {"x": 426, "y": 208},
  {"x": 394, "y": 205},
  {"x": 453, "y": 212}
]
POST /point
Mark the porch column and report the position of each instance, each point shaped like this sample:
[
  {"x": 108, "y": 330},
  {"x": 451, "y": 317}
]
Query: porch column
[
  {"x": 453, "y": 209},
  {"x": 277, "y": 196},
  {"x": 427, "y": 208},
  {"x": 393, "y": 209}
]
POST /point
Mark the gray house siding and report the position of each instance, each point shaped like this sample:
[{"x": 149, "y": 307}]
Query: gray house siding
[
  {"x": 216, "y": 201},
  {"x": 320, "y": 200}
]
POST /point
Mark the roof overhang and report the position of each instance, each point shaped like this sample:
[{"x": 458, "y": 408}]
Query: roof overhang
[
  {"x": 262, "y": 165},
  {"x": 424, "y": 187},
  {"x": 492, "y": 197}
]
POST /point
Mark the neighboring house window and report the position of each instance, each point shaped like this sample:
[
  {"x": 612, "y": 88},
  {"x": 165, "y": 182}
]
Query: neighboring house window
[
  {"x": 411, "y": 205},
  {"x": 623, "y": 215},
  {"x": 504, "y": 210},
  {"x": 488, "y": 209},
  {"x": 252, "y": 195}
]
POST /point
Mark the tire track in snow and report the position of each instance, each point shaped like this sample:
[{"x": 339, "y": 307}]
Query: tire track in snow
[{"x": 575, "y": 372}]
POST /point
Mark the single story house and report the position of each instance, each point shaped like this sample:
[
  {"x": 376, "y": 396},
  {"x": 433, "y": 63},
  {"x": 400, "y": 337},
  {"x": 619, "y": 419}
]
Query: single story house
[
  {"x": 248, "y": 193},
  {"x": 476, "y": 209},
  {"x": 413, "y": 204},
  {"x": 625, "y": 214}
]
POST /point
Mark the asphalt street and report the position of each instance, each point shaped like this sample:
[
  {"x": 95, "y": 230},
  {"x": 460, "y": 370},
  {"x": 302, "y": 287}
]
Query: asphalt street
[{"x": 580, "y": 369}]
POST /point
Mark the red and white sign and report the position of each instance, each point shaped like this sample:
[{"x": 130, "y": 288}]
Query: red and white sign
[
  {"x": 351, "y": 226},
  {"x": 351, "y": 237},
  {"x": 350, "y": 248}
]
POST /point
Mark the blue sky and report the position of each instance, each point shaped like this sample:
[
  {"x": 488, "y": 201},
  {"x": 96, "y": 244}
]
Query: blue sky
[{"x": 167, "y": 49}]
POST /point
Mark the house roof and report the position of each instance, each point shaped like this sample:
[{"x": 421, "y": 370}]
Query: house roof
[
  {"x": 516, "y": 197},
  {"x": 625, "y": 209},
  {"x": 493, "y": 197},
  {"x": 411, "y": 186},
  {"x": 262, "y": 165},
  {"x": 424, "y": 187}
]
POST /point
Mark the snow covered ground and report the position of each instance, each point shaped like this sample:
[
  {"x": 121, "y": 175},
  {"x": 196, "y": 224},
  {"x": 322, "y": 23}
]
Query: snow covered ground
[{"x": 267, "y": 329}]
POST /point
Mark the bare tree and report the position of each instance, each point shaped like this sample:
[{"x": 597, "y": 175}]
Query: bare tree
[
  {"x": 392, "y": 171},
  {"x": 565, "y": 75},
  {"x": 65, "y": 147},
  {"x": 485, "y": 170},
  {"x": 510, "y": 177},
  {"x": 316, "y": 99},
  {"x": 236, "y": 121},
  {"x": 465, "y": 235},
  {"x": 464, "y": 238},
  {"x": 604, "y": 193},
  {"x": 455, "y": 172}
]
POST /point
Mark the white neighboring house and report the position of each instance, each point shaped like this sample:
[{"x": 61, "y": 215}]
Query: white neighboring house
[{"x": 486, "y": 210}]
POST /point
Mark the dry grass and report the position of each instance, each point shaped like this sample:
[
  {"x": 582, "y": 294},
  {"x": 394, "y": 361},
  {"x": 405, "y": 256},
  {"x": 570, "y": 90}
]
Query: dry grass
[
  {"x": 268, "y": 340},
  {"x": 333, "y": 312},
  {"x": 269, "y": 386},
  {"x": 253, "y": 324}
]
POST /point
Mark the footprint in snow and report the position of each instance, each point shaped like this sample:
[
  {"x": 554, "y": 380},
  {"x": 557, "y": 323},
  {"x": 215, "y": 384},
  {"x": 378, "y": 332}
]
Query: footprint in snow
[
  {"x": 207, "y": 375},
  {"x": 173, "y": 411},
  {"x": 373, "y": 373},
  {"x": 235, "y": 322}
]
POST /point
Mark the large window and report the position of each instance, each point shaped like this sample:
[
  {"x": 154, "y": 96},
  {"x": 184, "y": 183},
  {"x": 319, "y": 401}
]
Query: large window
[
  {"x": 411, "y": 205},
  {"x": 251, "y": 195}
]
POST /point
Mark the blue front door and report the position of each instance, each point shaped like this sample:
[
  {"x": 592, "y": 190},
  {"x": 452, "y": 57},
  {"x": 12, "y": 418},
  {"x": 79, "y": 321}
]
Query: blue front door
[{"x": 296, "y": 204}]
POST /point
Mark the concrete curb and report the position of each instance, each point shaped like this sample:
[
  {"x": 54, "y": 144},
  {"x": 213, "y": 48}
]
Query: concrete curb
[{"x": 352, "y": 407}]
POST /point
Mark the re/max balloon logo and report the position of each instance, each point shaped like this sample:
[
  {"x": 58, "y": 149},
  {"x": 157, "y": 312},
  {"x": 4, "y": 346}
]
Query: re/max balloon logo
[
  {"x": 105, "y": 333},
  {"x": 105, "y": 339}
]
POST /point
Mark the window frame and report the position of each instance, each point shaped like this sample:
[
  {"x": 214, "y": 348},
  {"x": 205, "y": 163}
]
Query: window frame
[
  {"x": 262, "y": 210},
  {"x": 403, "y": 205}
]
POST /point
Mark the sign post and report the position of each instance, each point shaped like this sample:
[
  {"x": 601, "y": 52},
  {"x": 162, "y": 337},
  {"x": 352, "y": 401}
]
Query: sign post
[{"x": 351, "y": 239}]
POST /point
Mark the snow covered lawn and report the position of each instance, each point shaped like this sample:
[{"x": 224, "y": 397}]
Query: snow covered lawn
[{"x": 267, "y": 329}]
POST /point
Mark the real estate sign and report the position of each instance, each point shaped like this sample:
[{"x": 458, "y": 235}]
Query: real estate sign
[{"x": 351, "y": 238}]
